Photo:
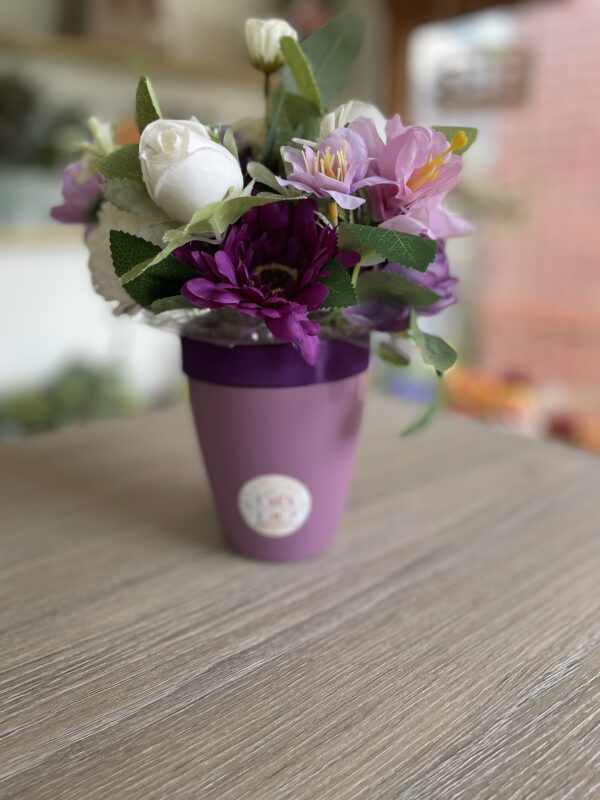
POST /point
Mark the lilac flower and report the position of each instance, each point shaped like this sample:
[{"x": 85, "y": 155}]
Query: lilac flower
[
  {"x": 82, "y": 197},
  {"x": 420, "y": 168},
  {"x": 269, "y": 266},
  {"x": 335, "y": 168},
  {"x": 383, "y": 317}
]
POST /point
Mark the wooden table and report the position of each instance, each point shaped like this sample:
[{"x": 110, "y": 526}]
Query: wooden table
[{"x": 448, "y": 647}]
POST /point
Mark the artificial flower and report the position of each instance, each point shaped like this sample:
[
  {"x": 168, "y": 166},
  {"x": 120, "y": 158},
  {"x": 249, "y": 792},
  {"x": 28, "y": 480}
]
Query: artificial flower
[
  {"x": 334, "y": 168},
  {"x": 349, "y": 112},
  {"x": 82, "y": 196},
  {"x": 184, "y": 169},
  {"x": 263, "y": 38},
  {"x": 269, "y": 266},
  {"x": 420, "y": 168}
]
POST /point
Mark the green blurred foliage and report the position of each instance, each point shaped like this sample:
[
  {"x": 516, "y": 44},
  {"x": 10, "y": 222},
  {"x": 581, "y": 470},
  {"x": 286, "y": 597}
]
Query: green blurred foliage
[{"x": 78, "y": 394}]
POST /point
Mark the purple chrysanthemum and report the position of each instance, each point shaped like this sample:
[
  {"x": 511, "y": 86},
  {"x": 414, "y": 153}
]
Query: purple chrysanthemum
[{"x": 269, "y": 266}]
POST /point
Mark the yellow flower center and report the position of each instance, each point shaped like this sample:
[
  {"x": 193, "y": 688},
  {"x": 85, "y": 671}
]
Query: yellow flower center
[
  {"x": 332, "y": 164},
  {"x": 430, "y": 170}
]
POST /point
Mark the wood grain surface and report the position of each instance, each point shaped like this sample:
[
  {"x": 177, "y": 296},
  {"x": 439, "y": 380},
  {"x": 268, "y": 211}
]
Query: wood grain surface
[{"x": 447, "y": 647}]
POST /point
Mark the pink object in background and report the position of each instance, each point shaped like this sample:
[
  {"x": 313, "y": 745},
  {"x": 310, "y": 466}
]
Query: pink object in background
[{"x": 280, "y": 459}]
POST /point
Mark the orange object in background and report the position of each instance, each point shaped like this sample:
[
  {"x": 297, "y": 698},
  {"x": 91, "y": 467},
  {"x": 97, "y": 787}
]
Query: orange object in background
[{"x": 127, "y": 132}]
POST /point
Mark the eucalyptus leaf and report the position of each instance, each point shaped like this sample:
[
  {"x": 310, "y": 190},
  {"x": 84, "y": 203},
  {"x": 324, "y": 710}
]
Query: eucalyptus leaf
[
  {"x": 153, "y": 282},
  {"x": 434, "y": 350},
  {"x": 301, "y": 70},
  {"x": 331, "y": 51},
  {"x": 393, "y": 290},
  {"x": 290, "y": 117},
  {"x": 401, "y": 248},
  {"x": 451, "y": 131},
  {"x": 341, "y": 291},
  {"x": 263, "y": 175},
  {"x": 230, "y": 143},
  {"x": 147, "y": 109},
  {"x": 392, "y": 355},
  {"x": 122, "y": 163}
]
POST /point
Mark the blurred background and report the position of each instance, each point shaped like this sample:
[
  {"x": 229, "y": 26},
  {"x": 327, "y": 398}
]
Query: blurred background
[{"x": 525, "y": 73}]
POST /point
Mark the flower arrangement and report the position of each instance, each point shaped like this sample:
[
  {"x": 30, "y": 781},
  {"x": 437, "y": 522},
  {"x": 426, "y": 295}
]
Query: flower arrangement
[{"x": 297, "y": 227}]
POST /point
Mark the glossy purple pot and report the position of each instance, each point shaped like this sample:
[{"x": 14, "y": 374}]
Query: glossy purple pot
[{"x": 278, "y": 438}]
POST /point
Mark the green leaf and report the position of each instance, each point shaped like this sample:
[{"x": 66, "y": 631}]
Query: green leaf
[
  {"x": 174, "y": 239},
  {"x": 170, "y": 304},
  {"x": 264, "y": 175},
  {"x": 450, "y": 132},
  {"x": 331, "y": 51},
  {"x": 429, "y": 413},
  {"x": 341, "y": 291},
  {"x": 147, "y": 109},
  {"x": 434, "y": 350},
  {"x": 230, "y": 143},
  {"x": 401, "y": 248},
  {"x": 132, "y": 196},
  {"x": 220, "y": 215},
  {"x": 122, "y": 163},
  {"x": 152, "y": 282},
  {"x": 290, "y": 116},
  {"x": 393, "y": 290},
  {"x": 301, "y": 70},
  {"x": 389, "y": 353}
]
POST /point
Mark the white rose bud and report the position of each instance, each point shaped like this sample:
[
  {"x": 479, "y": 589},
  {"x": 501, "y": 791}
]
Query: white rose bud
[
  {"x": 184, "y": 169},
  {"x": 262, "y": 41},
  {"x": 348, "y": 113}
]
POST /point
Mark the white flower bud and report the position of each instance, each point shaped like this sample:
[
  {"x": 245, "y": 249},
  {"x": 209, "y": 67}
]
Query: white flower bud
[{"x": 262, "y": 40}]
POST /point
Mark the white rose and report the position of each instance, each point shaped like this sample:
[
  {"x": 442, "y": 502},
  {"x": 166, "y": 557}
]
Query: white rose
[
  {"x": 350, "y": 111},
  {"x": 104, "y": 277},
  {"x": 184, "y": 169},
  {"x": 262, "y": 41}
]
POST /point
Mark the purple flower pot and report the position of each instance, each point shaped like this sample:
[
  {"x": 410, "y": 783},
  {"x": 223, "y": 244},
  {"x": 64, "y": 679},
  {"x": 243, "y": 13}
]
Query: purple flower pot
[{"x": 278, "y": 437}]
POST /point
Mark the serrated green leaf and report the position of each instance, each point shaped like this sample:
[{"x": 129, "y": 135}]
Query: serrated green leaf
[
  {"x": 389, "y": 353},
  {"x": 434, "y": 350},
  {"x": 331, "y": 51},
  {"x": 432, "y": 408},
  {"x": 122, "y": 163},
  {"x": 341, "y": 291},
  {"x": 407, "y": 249},
  {"x": 301, "y": 70},
  {"x": 147, "y": 109},
  {"x": 450, "y": 131},
  {"x": 132, "y": 196},
  {"x": 348, "y": 241},
  {"x": 154, "y": 282},
  {"x": 393, "y": 290},
  {"x": 174, "y": 303}
]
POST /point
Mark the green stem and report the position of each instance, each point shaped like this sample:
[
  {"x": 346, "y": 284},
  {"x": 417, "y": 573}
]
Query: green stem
[
  {"x": 267, "y": 90},
  {"x": 355, "y": 274}
]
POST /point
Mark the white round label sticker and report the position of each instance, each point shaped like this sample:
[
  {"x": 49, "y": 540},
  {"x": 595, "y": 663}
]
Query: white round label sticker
[{"x": 274, "y": 505}]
